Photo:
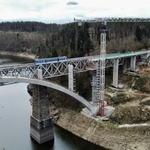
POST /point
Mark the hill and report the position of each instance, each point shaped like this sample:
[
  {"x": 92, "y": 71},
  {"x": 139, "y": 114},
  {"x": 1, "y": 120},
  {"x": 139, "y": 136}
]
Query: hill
[{"x": 49, "y": 40}]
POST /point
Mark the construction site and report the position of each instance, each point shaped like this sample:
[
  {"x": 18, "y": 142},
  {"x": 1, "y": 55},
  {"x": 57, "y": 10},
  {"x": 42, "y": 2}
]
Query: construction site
[{"x": 124, "y": 111}]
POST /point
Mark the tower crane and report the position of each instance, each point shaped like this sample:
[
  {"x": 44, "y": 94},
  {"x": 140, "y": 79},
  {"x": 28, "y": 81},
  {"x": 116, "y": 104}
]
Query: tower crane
[{"x": 98, "y": 83}]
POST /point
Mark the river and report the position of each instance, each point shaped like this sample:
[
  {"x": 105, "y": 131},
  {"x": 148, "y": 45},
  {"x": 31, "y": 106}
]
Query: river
[{"x": 15, "y": 112}]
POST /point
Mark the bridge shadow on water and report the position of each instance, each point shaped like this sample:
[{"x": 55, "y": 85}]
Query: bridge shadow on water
[
  {"x": 46, "y": 146},
  {"x": 65, "y": 140}
]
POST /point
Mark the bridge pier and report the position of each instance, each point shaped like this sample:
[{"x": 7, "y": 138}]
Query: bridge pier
[
  {"x": 144, "y": 57},
  {"x": 115, "y": 73},
  {"x": 70, "y": 78},
  {"x": 133, "y": 63},
  {"x": 41, "y": 127}
]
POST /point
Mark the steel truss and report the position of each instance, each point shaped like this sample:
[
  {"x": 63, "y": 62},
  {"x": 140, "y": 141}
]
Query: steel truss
[
  {"x": 59, "y": 68},
  {"x": 48, "y": 70}
]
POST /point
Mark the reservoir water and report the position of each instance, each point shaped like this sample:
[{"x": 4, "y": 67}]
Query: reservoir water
[{"x": 15, "y": 112}]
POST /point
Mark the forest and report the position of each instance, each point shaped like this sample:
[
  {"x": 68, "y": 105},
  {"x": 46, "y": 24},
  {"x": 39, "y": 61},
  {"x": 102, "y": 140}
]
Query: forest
[{"x": 71, "y": 40}]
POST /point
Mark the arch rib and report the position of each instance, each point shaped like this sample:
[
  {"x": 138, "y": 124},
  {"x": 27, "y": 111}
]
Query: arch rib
[{"x": 51, "y": 85}]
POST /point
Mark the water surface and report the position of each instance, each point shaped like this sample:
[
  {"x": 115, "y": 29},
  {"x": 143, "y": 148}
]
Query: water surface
[{"x": 15, "y": 112}]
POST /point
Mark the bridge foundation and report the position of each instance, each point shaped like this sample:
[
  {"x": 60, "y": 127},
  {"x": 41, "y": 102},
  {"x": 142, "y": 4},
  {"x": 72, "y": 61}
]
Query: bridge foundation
[
  {"x": 41, "y": 127},
  {"x": 41, "y": 131}
]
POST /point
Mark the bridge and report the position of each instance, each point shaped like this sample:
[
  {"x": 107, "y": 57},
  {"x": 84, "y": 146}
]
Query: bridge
[
  {"x": 55, "y": 69},
  {"x": 41, "y": 125},
  {"x": 81, "y": 64},
  {"x": 50, "y": 85}
]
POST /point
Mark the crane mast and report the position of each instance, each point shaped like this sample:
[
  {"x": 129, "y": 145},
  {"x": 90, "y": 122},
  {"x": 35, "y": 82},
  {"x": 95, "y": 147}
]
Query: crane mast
[{"x": 98, "y": 83}]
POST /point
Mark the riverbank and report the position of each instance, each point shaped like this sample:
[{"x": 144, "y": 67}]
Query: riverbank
[
  {"x": 18, "y": 54},
  {"x": 104, "y": 134}
]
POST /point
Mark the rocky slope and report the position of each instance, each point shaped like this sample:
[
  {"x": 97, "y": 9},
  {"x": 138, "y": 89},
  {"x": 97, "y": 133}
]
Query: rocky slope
[{"x": 105, "y": 134}]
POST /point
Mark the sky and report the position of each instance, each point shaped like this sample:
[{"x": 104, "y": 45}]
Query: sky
[{"x": 64, "y": 11}]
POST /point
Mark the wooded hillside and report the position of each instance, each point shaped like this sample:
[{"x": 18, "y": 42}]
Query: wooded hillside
[{"x": 50, "y": 40}]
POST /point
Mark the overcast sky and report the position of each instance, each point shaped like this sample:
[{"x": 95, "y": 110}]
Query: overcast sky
[{"x": 63, "y": 11}]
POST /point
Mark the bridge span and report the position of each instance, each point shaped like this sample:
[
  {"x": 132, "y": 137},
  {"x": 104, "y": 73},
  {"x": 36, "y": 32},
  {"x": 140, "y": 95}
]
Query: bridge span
[
  {"x": 51, "y": 85},
  {"x": 54, "y": 69}
]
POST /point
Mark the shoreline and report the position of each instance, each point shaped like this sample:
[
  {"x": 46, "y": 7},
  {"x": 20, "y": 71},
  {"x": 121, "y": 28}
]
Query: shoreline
[
  {"x": 18, "y": 54},
  {"x": 103, "y": 134}
]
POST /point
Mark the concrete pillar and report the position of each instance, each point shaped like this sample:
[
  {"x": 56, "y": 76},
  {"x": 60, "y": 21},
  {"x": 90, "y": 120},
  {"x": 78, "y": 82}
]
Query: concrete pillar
[
  {"x": 70, "y": 78},
  {"x": 144, "y": 57},
  {"x": 133, "y": 63},
  {"x": 115, "y": 73},
  {"x": 39, "y": 74},
  {"x": 41, "y": 127}
]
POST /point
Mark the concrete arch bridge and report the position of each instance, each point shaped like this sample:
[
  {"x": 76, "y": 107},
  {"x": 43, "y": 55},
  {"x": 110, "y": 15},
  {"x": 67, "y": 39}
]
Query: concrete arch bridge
[
  {"x": 50, "y": 85},
  {"x": 41, "y": 128}
]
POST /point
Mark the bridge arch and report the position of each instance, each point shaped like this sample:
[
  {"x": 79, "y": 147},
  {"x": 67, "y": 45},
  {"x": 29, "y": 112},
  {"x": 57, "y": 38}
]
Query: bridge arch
[{"x": 51, "y": 85}]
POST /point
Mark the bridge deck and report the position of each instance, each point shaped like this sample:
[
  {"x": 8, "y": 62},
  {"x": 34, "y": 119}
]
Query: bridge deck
[{"x": 55, "y": 69}]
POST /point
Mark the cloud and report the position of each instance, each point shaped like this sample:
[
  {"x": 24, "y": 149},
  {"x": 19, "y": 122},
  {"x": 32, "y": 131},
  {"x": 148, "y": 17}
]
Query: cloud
[
  {"x": 72, "y": 3},
  {"x": 26, "y": 5},
  {"x": 58, "y": 11}
]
